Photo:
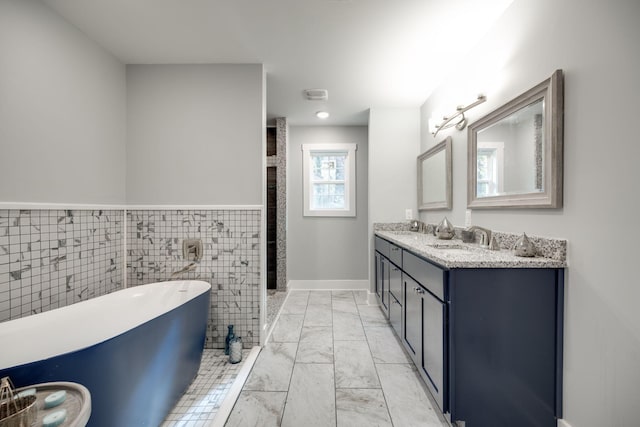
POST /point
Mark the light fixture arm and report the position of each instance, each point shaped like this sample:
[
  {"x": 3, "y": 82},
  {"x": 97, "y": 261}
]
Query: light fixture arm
[{"x": 460, "y": 110}]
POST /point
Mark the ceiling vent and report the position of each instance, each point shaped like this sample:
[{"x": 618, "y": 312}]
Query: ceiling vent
[{"x": 316, "y": 94}]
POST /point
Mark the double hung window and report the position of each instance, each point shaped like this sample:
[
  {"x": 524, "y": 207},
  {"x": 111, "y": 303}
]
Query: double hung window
[{"x": 329, "y": 179}]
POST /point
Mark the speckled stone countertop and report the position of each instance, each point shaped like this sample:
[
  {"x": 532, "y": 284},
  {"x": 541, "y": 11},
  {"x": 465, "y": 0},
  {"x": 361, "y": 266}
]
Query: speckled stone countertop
[{"x": 456, "y": 254}]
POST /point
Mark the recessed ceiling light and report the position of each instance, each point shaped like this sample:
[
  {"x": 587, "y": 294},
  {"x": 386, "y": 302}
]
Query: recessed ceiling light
[{"x": 322, "y": 114}]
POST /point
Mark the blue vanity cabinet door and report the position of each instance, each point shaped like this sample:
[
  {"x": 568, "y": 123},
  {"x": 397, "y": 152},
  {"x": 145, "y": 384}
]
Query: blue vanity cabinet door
[
  {"x": 382, "y": 282},
  {"x": 384, "y": 300},
  {"x": 433, "y": 347},
  {"x": 383, "y": 270},
  {"x": 378, "y": 278},
  {"x": 505, "y": 339},
  {"x": 395, "y": 298},
  {"x": 395, "y": 315},
  {"x": 395, "y": 281},
  {"x": 412, "y": 319}
]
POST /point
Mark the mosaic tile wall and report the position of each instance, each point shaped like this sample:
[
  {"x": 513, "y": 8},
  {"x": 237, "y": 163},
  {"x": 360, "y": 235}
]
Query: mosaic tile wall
[
  {"x": 231, "y": 262},
  {"x": 53, "y": 258},
  {"x": 281, "y": 211}
]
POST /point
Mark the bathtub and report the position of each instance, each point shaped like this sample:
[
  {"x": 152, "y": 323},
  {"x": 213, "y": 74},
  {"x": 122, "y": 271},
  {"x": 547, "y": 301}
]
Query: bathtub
[{"x": 136, "y": 350}]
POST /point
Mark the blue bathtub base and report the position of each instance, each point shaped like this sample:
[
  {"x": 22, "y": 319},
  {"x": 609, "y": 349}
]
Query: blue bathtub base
[{"x": 136, "y": 378}]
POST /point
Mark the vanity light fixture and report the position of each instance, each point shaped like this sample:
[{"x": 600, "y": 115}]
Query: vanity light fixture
[
  {"x": 448, "y": 121},
  {"x": 322, "y": 115}
]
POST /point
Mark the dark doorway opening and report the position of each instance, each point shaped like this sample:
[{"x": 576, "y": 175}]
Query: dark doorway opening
[{"x": 272, "y": 260}]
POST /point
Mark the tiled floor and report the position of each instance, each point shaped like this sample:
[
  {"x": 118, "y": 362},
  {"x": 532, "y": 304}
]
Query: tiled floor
[
  {"x": 275, "y": 299},
  {"x": 333, "y": 360},
  {"x": 199, "y": 405}
]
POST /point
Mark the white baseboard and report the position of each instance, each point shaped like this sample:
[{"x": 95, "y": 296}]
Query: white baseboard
[
  {"x": 563, "y": 423},
  {"x": 334, "y": 285}
]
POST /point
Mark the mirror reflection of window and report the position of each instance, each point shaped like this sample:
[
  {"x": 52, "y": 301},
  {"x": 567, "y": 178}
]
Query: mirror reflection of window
[
  {"x": 528, "y": 171},
  {"x": 519, "y": 157},
  {"x": 490, "y": 180}
]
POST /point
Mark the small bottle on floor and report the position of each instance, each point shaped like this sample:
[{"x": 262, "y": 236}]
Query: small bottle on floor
[
  {"x": 230, "y": 336},
  {"x": 235, "y": 350}
]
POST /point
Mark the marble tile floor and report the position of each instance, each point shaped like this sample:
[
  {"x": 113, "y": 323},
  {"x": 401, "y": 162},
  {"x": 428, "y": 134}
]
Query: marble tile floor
[
  {"x": 333, "y": 360},
  {"x": 200, "y": 403},
  {"x": 275, "y": 299}
]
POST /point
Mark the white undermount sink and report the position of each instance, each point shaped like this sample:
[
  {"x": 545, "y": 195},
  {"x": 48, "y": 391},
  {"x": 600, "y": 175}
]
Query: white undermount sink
[{"x": 448, "y": 246}]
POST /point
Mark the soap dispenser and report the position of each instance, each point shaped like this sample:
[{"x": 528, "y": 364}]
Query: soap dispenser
[
  {"x": 445, "y": 230},
  {"x": 524, "y": 247}
]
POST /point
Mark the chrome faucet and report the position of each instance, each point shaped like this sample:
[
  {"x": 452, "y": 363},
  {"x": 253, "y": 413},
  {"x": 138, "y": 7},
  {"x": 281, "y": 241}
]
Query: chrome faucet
[{"x": 485, "y": 236}]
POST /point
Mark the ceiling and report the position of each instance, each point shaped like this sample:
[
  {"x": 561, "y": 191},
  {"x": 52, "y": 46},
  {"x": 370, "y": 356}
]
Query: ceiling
[{"x": 366, "y": 53}]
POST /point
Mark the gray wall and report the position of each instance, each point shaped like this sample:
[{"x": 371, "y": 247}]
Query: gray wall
[
  {"x": 595, "y": 43},
  {"x": 323, "y": 248},
  {"x": 195, "y": 134},
  {"x": 62, "y": 111},
  {"x": 394, "y": 141}
]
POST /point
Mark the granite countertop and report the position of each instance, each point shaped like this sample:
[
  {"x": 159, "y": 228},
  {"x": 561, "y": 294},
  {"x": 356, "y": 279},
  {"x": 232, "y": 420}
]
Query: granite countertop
[{"x": 456, "y": 254}]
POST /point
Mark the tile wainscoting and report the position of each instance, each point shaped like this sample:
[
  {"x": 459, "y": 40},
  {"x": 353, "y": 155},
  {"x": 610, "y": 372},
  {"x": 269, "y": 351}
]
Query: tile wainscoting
[
  {"x": 231, "y": 262},
  {"x": 50, "y": 258}
]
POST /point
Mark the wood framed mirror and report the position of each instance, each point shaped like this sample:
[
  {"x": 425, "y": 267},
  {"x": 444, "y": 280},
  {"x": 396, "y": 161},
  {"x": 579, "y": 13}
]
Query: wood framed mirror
[
  {"x": 515, "y": 152},
  {"x": 434, "y": 177}
]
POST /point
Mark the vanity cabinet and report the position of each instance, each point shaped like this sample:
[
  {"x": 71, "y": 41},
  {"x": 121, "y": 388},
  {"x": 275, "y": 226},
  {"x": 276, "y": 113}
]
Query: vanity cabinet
[
  {"x": 395, "y": 298},
  {"x": 385, "y": 269},
  {"x": 486, "y": 341},
  {"x": 388, "y": 259},
  {"x": 378, "y": 278},
  {"x": 424, "y": 334}
]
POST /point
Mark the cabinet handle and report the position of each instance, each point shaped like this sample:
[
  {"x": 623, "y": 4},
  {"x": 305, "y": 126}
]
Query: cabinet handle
[
  {"x": 393, "y": 248},
  {"x": 419, "y": 291},
  {"x": 395, "y": 269}
]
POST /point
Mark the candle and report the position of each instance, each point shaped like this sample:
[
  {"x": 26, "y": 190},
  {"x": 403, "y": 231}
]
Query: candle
[{"x": 235, "y": 350}]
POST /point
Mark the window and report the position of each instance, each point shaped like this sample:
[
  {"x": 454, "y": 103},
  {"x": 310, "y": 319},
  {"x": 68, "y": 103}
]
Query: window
[{"x": 329, "y": 179}]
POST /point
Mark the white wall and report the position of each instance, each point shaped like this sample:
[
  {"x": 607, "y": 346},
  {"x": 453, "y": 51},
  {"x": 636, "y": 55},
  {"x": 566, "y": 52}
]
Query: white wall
[
  {"x": 326, "y": 248},
  {"x": 595, "y": 43},
  {"x": 195, "y": 134},
  {"x": 62, "y": 111}
]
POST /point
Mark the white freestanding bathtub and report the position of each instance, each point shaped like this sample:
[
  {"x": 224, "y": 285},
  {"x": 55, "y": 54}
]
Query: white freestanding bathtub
[{"x": 136, "y": 350}]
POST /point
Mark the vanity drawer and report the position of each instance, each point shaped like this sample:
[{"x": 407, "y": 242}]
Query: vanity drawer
[
  {"x": 425, "y": 273},
  {"x": 382, "y": 246},
  {"x": 395, "y": 254}
]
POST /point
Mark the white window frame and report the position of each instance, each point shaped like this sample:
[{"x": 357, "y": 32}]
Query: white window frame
[
  {"x": 496, "y": 182},
  {"x": 349, "y": 178}
]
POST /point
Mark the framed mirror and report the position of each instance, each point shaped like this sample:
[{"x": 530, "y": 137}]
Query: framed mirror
[
  {"x": 434, "y": 177},
  {"x": 515, "y": 152}
]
